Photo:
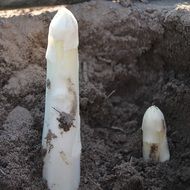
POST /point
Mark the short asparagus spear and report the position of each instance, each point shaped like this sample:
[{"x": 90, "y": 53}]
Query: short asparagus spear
[{"x": 155, "y": 145}]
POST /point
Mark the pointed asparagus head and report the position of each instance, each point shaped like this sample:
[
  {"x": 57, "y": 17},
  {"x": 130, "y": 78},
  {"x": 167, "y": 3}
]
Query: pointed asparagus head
[
  {"x": 64, "y": 28},
  {"x": 63, "y": 34},
  {"x": 155, "y": 146}
]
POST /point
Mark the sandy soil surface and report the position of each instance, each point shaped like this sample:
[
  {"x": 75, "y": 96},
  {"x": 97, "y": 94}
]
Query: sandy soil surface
[
  {"x": 130, "y": 58},
  {"x": 11, "y": 4}
]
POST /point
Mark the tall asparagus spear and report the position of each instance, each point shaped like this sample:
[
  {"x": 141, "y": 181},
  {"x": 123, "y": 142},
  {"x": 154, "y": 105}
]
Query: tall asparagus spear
[{"x": 61, "y": 133}]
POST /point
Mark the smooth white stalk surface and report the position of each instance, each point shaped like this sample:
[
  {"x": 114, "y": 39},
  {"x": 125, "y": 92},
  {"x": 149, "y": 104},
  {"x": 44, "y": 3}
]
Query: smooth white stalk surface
[
  {"x": 155, "y": 145},
  {"x": 61, "y": 133}
]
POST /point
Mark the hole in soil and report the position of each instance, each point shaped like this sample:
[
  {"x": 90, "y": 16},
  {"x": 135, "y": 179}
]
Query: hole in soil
[{"x": 114, "y": 141}]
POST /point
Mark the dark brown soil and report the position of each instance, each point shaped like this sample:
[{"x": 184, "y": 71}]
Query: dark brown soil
[{"x": 130, "y": 58}]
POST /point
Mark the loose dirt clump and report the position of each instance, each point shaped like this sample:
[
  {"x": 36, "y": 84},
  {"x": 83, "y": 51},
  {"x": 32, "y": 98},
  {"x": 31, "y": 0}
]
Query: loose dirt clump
[
  {"x": 50, "y": 136},
  {"x": 65, "y": 120},
  {"x": 130, "y": 59}
]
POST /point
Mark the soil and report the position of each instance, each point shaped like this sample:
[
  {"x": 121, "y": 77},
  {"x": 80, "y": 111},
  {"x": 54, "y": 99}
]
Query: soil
[
  {"x": 65, "y": 121},
  {"x": 12, "y": 4},
  {"x": 130, "y": 59}
]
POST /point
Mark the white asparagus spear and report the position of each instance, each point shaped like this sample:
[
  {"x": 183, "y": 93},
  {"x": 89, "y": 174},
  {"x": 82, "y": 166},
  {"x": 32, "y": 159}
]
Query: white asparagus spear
[
  {"x": 155, "y": 145},
  {"x": 61, "y": 133}
]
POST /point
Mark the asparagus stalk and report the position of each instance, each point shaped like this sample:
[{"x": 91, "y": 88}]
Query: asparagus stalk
[
  {"x": 61, "y": 133},
  {"x": 155, "y": 145}
]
